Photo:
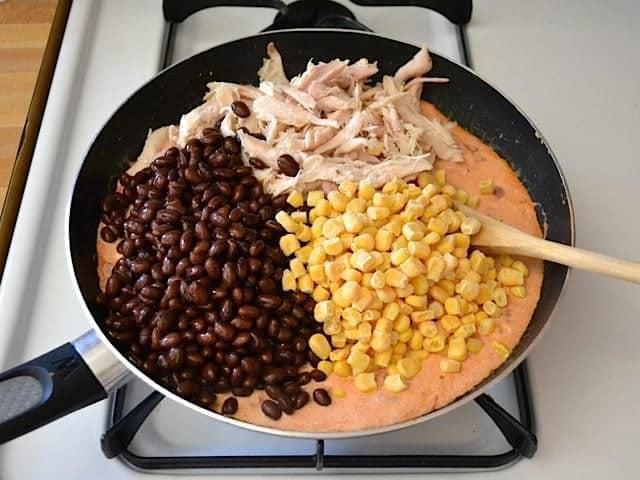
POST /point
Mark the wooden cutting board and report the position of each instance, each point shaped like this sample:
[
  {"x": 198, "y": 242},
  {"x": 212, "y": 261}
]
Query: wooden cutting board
[{"x": 24, "y": 28}]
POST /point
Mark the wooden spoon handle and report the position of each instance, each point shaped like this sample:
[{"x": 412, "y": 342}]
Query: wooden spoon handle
[{"x": 578, "y": 258}]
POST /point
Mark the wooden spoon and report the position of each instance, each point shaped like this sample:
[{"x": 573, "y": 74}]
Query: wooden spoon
[{"x": 502, "y": 238}]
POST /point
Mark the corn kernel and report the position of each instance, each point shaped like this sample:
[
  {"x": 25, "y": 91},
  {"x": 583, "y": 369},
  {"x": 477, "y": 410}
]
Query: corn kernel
[
  {"x": 420, "y": 285},
  {"x": 338, "y": 200},
  {"x": 413, "y": 231},
  {"x": 339, "y": 354},
  {"x": 487, "y": 186},
  {"x": 469, "y": 319},
  {"x": 333, "y": 271},
  {"x": 500, "y": 297},
  {"x": 474, "y": 345},
  {"x": 383, "y": 240},
  {"x": 350, "y": 334},
  {"x": 314, "y": 196},
  {"x": 332, "y": 326},
  {"x": 452, "y": 306},
  {"x": 391, "y": 311},
  {"x": 399, "y": 349},
  {"x": 320, "y": 293},
  {"x": 419, "y": 355},
  {"x": 295, "y": 199},
  {"x": 394, "y": 383},
  {"x": 287, "y": 222},
  {"x": 377, "y": 280},
  {"x": 501, "y": 349},
  {"x": 364, "y": 242},
  {"x": 357, "y": 205},
  {"x": 415, "y": 342},
  {"x": 297, "y": 267},
  {"x": 491, "y": 309},
  {"x": 402, "y": 323},
  {"x": 468, "y": 289},
  {"x": 342, "y": 368},
  {"x": 363, "y": 299},
  {"x": 457, "y": 349},
  {"x": 432, "y": 238},
  {"x": 510, "y": 276},
  {"x": 371, "y": 315},
  {"x": 382, "y": 358},
  {"x": 450, "y": 323},
  {"x": 353, "y": 222},
  {"x": 319, "y": 345},
  {"x": 518, "y": 292},
  {"x": 386, "y": 294},
  {"x": 412, "y": 267},
  {"x": 408, "y": 367},
  {"x": 378, "y": 213},
  {"x": 358, "y": 361},
  {"x": 348, "y": 188},
  {"x": 364, "y": 331},
  {"x": 289, "y": 244},
  {"x": 365, "y": 382},
  {"x": 333, "y": 246},
  {"x": 323, "y": 207},
  {"x": 438, "y": 293},
  {"x": 288, "y": 281},
  {"x": 521, "y": 267},
  {"x": 419, "y": 250},
  {"x": 351, "y": 274},
  {"x": 437, "y": 225},
  {"x": 435, "y": 268},
  {"x": 366, "y": 191},
  {"x": 449, "y": 365},
  {"x": 434, "y": 344},
  {"x": 346, "y": 294},
  {"x": 470, "y": 226},
  {"x": 422, "y": 316},
  {"x": 486, "y": 325},
  {"x": 465, "y": 330},
  {"x": 396, "y": 278},
  {"x": 324, "y": 310},
  {"x": 380, "y": 341},
  {"x": 316, "y": 273},
  {"x": 332, "y": 228},
  {"x": 305, "y": 284}
]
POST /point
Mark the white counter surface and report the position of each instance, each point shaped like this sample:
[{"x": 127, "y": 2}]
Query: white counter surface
[{"x": 573, "y": 67}]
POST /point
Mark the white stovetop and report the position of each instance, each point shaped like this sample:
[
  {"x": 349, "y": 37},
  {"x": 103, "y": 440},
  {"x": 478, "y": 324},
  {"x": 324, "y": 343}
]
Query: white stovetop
[{"x": 573, "y": 67}]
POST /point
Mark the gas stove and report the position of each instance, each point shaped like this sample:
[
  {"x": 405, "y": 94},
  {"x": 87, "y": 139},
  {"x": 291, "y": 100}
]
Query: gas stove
[{"x": 152, "y": 435}]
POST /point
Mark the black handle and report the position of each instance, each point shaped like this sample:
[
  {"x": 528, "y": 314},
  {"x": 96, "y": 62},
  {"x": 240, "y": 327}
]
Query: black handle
[
  {"x": 45, "y": 389},
  {"x": 177, "y": 10},
  {"x": 456, "y": 11}
]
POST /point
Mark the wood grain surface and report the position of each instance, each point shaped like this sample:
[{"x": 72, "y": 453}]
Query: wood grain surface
[{"x": 24, "y": 28}]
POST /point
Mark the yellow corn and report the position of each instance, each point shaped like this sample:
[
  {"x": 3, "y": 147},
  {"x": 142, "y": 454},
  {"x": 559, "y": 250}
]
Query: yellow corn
[
  {"x": 365, "y": 382},
  {"x": 297, "y": 267},
  {"x": 338, "y": 200},
  {"x": 510, "y": 276},
  {"x": 333, "y": 271},
  {"x": 319, "y": 345},
  {"x": 470, "y": 226},
  {"x": 364, "y": 332},
  {"x": 394, "y": 383},
  {"x": 288, "y": 281},
  {"x": 474, "y": 345},
  {"x": 357, "y": 205},
  {"x": 287, "y": 222},
  {"x": 500, "y": 297},
  {"x": 378, "y": 280},
  {"x": 289, "y": 244},
  {"x": 305, "y": 284},
  {"x": 320, "y": 293},
  {"x": 434, "y": 344},
  {"x": 450, "y": 323},
  {"x": 486, "y": 186},
  {"x": 348, "y": 188},
  {"x": 314, "y": 196},
  {"x": 412, "y": 267},
  {"x": 486, "y": 325},
  {"x": 452, "y": 306},
  {"x": 491, "y": 309},
  {"x": 396, "y": 278},
  {"x": 457, "y": 349},
  {"x": 358, "y": 361},
  {"x": 435, "y": 268},
  {"x": 408, "y": 367},
  {"x": 518, "y": 292},
  {"x": 417, "y": 301},
  {"x": 449, "y": 365},
  {"x": 333, "y": 246},
  {"x": 521, "y": 267},
  {"x": 380, "y": 341},
  {"x": 332, "y": 228},
  {"x": 342, "y": 368},
  {"x": 401, "y": 323},
  {"x": 364, "y": 241},
  {"x": 316, "y": 272},
  {"x": 295, "y": 199},
  {"x": 353, "y": 222},
  {"x": 324, "y": 310},
  {"x": 501, "y": 349},
  {"x": 415, "y": 342}
]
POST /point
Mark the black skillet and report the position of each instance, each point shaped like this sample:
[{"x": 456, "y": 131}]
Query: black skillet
[{"x": 79, "y": 373}]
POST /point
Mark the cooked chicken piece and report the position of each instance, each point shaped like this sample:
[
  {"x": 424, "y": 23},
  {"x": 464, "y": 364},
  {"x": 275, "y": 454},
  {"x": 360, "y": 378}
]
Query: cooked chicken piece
[
  {"x": 272, "y": 69},
  {"x": 315, "y": 136},
  {"x": 267, "y": 107},
  {"x": 416, "y": 67},
  {"x": 349, "y": 131},
  {"x": 155, "y": 145},
  {"x": 322, "y": 73},
  {"x": 201, "y": 117},
  {"x": 303, "y": 98}
]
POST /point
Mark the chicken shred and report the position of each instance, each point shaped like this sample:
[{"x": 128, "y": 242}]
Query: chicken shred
[{"x": 331, "y": 119}]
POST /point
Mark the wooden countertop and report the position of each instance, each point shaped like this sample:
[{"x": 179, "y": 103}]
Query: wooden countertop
[{"x": 24, "y": 28}]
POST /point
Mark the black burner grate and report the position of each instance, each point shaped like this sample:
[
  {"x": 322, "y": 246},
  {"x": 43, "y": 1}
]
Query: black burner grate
[{"x": 518, "y": 433}]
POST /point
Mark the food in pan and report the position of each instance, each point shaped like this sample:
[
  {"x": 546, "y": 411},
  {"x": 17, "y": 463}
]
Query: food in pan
[{"x": 291, "y": 254}]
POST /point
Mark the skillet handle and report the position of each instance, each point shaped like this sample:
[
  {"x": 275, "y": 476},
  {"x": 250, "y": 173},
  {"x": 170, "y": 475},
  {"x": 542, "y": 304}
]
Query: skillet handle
[{"x": 55, "y": 384}]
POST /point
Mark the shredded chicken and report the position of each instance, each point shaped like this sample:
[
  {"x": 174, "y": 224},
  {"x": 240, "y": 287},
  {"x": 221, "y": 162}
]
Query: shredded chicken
[{"x": 334, "y": 123}]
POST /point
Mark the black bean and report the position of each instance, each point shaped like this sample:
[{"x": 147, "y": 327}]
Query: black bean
[
  {"x": 240, "y": 109},
  {"x": 321, "y": 397},
  {"x": 301, "y": 400},
  {"x": 230, "y": 406},
  {"x": 271, "y": 409},
  {"x": 318, "y": 375}
]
